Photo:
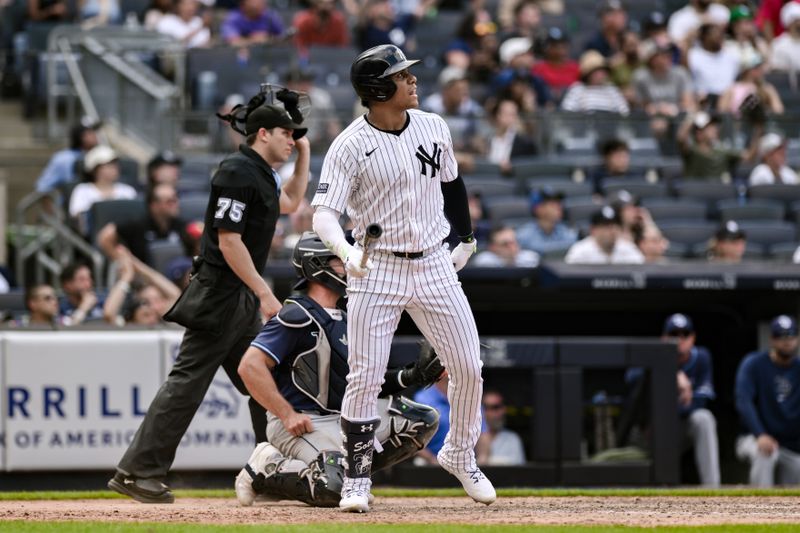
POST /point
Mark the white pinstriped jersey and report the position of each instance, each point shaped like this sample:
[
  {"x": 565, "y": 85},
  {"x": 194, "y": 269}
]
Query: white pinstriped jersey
[{"x": 391, "y": 179}]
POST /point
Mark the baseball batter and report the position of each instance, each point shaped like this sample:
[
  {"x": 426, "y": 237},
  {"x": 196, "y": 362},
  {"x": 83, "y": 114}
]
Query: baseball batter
[{"x": 395, "y": 167}]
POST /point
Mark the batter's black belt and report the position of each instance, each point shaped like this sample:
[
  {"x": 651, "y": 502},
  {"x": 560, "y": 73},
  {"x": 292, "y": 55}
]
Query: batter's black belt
[{"x": 409, "y": 255}]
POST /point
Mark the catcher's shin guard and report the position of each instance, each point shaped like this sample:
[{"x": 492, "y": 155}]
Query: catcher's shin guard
[
  {"x": 359, "y": 441},
  {"x": 412, "y": 427},
  {"x": 318, "y": 485}
]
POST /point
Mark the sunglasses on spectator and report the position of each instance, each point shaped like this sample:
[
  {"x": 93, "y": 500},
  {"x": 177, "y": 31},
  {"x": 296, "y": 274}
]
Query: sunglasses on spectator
[{"x": 47, "y": 297}]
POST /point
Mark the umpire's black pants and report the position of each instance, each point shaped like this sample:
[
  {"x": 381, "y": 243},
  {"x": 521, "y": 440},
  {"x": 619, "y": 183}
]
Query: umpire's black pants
[{"x": 201, "y": 353}]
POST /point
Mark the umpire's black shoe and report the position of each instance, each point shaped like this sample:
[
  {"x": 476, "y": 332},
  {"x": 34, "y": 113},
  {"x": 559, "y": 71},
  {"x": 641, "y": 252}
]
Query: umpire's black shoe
[{"x": 145, "y": 490}]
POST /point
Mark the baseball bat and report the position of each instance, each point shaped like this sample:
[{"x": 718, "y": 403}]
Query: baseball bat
[{"x": 373, "y": 233}]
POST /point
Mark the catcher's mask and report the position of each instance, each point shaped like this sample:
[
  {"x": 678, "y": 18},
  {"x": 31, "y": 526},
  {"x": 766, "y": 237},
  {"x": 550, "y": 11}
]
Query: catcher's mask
[
  {"x": 311, "y": 260},
  {"x": 296, "y": 104}
]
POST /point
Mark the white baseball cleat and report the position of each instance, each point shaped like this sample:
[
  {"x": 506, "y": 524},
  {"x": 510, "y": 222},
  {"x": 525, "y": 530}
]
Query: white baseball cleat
[
  {"x": 244, "y": 489},
  {"x": 477, "y": 486},
  {"x": 355, "y": 501}
]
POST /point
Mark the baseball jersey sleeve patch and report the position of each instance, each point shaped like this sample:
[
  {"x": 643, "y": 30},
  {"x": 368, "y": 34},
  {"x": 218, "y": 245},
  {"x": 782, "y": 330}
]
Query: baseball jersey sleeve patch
[{"x": 322, "y": 188}]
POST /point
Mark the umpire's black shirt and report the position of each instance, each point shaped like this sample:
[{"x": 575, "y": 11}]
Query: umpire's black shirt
[{"x": 244, "y": 200}]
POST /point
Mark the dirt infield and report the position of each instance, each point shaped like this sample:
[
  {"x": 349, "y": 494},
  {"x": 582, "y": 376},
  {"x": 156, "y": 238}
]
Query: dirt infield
[{"x": 633, "y": 511}]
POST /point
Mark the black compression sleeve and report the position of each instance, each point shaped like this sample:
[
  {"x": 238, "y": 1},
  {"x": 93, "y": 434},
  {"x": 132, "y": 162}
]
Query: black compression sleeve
[{"x": 456, "y": 208}]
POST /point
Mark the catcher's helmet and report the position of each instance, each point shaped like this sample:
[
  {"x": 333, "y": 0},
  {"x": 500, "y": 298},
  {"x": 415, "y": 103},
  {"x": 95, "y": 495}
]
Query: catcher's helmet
[
  {"x": 311, "y": 263},
  {"x": 371, "y": 70}
]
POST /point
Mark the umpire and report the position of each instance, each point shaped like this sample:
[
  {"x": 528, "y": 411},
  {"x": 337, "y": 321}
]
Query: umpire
[{"x": 220, "y": 307}]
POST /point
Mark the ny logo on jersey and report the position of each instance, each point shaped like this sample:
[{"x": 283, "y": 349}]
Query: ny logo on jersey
[{"x": 429, "y": 159}]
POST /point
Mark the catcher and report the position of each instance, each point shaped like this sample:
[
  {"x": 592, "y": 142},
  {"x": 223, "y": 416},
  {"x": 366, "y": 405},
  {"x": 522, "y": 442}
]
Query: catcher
[{"x": 296, "y": 368}]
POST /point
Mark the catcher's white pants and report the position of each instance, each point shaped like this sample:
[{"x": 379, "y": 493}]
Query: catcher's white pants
[{"x": 429, "y": 290}]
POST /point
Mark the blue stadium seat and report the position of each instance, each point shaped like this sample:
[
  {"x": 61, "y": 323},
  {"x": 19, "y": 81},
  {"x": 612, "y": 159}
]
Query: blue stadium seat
[
  {"x": 769, "y": 233},
  {"x": 193, "y": 206},
  {"x": 567, "y": 187},
  {"x": 116, "y": 211},
  {"x": 637, "y": 187},
  {"x": 490, "y": 186},
  {"x": 754, "y": 209},
  {"x": 693, "y": 234},
  {"x": 503, "y": 207},
  {"x": 666, "y": 209}
]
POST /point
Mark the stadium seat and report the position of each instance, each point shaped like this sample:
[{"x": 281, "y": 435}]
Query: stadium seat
[
  {"x": 637, "y": 187},
  {"x": 783, "y": 251},
  {"x": 665, "y": 209},
  {"x": 755, "y": 209},
  {"x": 490, "y": 186},
  {"x": 193, "y": 207},
  {"x": 567, "y": 187},
  {"x": 580, "y": 208},
  {"x": 530, "y": 168},
  {"x": 709, "y": 191},
  {"x": 693, "y": 234},
  {"x": 116, "y": 211},
  {"x": 503, "y": 207},
  {"x": 784, "y": 193},
  {"x": 769, "y": 233},
  {"x": 129, "y": 172},
  {"x": 163, "y": 252}
]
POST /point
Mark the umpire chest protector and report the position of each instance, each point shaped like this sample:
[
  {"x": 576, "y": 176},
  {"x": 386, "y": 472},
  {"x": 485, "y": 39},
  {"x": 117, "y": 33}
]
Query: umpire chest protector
[{"x": 321, "y": 371}]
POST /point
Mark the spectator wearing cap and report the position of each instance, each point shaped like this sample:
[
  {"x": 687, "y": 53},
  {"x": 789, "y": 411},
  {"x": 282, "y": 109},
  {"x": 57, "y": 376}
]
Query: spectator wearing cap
[
  {"x": 507, "y": 142},
  {"x": 684, "y": 23},
  {"x": 102, "y": 170},
  {"x": 652, "y": 243},
  {"x": 546, "y": 233},
  {"x": 751, "y": 96},
  {"x": 743, "y": 38},
  {"x": 594, "y": 92},
  {"x": 713, "y": 67},
  {"x": 654, "y": 28},
  {"x": 728, "y": 244},
  {"x": 632, "y": 216},
  {"x": 164, "y": 169},
  {"x": 323, "y": 123},
  {"x": 161, "y": 224},
  {"x": 704, "y": 155},
  {"x": 695, "y": 390},
  {"x": 455, "y": 105},
  {"x": 321, "y": 24},
  {"x": 616, "y": 163},
  {"x": 662, "y": 88},
  {"x": 252, "y": 23},
  {"x": 786, "y": 47},
  {"x": 773, "y": 168},
  {"x": 504, "y": 251},
  {"x": 768, "y": 403},
  {"x": 185, "y": 25},
  {"x": 604, "y": 245},
  {"x": 557, "y": 69},
  {"x": 613, "y": 21},
  {"x": 63, "y": 165},
  {"x": 516, "y": 80}
]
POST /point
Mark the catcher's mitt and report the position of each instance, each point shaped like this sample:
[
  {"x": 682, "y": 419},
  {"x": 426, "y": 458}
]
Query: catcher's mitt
[{"x": 426, "y": 370}]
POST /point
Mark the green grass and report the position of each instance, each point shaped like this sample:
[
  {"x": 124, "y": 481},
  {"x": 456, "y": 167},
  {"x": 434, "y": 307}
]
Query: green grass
[
  {"x": 105, "y": 527},
  {"x": 437, "y": 493}
]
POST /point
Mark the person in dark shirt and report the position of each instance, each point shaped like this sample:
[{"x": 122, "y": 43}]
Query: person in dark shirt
[
  {"x": 80, "y": 302},
  {"x": 768, "y": 402},
  {"x": 160, "y": 224},
  {"x": 223, "y": 305},
  {"x": 303, "y": 459},
  {"x": 695, "y": 391},
  {"x": 613, "y": 20}
]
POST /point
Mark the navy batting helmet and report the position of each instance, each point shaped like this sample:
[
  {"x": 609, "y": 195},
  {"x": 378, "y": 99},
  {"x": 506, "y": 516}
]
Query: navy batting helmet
[
  {"x": 371, "y": 72},
  {"x": 311, "y": 260}
]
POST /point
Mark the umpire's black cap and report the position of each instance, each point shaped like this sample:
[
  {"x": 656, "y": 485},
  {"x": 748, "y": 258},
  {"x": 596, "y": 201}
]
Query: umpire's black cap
[{"x": 270, "y": 116}]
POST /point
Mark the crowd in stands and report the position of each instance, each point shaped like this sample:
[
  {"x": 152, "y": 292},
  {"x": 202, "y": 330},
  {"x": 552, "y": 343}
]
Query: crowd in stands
[{"x": 708, "y": 86}]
